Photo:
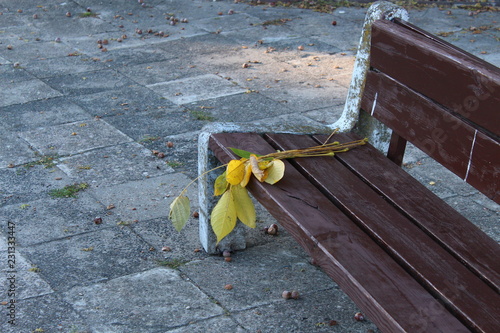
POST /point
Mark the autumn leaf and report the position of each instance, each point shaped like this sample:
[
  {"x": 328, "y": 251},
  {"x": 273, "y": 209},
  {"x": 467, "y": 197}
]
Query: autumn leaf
[
  {"x": 243, "y": 153},
  {"x": 179, "y": 212},
  {"x": 245, "y": 210},
  {"x": 220, "y": 185},
  {"x": 256, "y": 170},
  {"x": 248, "y": 174},
  {"x": 235, "y": 171},
  {"x": 223, "y": 217},
  {"x": 275, "y": 172}
]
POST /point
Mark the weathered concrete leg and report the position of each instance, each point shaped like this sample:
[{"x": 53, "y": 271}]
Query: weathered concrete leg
[
  {"x": 350, "y": 115},
  {"x": 207, "y": 161}
]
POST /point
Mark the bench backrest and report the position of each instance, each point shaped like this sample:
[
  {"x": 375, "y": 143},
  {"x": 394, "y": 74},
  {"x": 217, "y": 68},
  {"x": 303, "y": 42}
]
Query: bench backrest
[{"x": 441, "y": 99}]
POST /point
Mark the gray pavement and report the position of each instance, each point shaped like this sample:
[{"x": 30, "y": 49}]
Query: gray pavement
[{"x": 73, "y": 114}]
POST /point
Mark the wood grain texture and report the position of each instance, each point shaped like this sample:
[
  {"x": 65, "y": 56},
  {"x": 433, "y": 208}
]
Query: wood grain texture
[
  {"x": 461, "y": 238},
  {"x": 449, "y": 76},
  {"x": 471, "y": 154}
]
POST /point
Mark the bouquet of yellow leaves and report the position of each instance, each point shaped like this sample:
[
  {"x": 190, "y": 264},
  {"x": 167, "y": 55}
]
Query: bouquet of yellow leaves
[{"x": 235, "y": 203}]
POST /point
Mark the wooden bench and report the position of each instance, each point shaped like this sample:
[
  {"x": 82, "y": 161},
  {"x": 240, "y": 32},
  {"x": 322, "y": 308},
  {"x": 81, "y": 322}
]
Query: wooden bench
[{"x": 406, "y": 258}]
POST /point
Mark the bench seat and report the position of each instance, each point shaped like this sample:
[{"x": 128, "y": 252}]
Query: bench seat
[{"x": 392, "y": 245}]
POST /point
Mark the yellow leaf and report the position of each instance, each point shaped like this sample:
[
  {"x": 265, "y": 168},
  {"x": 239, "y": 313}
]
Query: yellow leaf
[
  {"x": 179, "y": 212},
  {"x": 235, "y": 171},
  {"x": 276, "y": 172},
  {"x": 223, "y": 218},
  {"x": 245, "y": 210},
  {"x": 256, "y": 170},
  {"x": 248, "y": 173},
  {"x": 220, "y": 185}
]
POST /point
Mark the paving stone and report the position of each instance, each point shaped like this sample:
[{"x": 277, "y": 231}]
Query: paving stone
[
  {"x": 72, "y": 26},
  {"x": 74, "y": 137},
  {"x": 196, "y": 88},
  {"x": 145, "y": 199},
  {"x": 76, "y": 63},
  {"x": 219, "y": 23},
  {"x": 329, "y": 310},
  {"x": 48, "y": 313},
  {"x": 125, "y": 101},
  {"x": 485, "y": 217},
  {"x": 206, "y": 43},
  {"x": 32, "y": 90},
  {"x": 88, "y": 82},
  {"x": 27, "y": 183},
  {"x": 91, "y": 257},
  {"x": 131, "y": 51},
  {"x": 152, "y": 301},
  {"x": 152, "y": 125},
  {"x": 46, "y": 219},
  {"x": 212, "y": 325},
  {"x": 25, "y": 282},
  {"x": 41, "y": 113},
  {"x": 154, "y": 71},
  {"x": 13, "y": 74},
  {"x": 13, "y": 150},
  {"x": 114, "y": 165},
  {"x": 239, "y": 108},
  {"x": 32, "y": 50},
  {"x": 259, "y": 35},
  {"x": 279, "y": 265}
]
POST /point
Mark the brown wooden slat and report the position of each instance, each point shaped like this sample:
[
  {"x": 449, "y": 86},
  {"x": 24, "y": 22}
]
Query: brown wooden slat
[
  {"x": 462, "y": 238},
  {"x": 432, "y": 265},
  {"x": 397, "y": 147},
  {"x": 435, "y": 131},
  {"x": 452, "y": 78},
  {"x": 343, "y": 250}
]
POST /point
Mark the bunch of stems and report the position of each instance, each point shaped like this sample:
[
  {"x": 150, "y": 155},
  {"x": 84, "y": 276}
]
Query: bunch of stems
[{"x": 327, "y": 149}]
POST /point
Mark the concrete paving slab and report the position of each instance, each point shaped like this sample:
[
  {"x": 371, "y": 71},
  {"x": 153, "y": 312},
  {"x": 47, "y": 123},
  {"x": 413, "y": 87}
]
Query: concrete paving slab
[
  {"x": 152, "y": 301},
  {"x": 45, "y": 219},
  {"x": 344, "y": 34},
  {"x": 91, "y": 257},
  {"x": 152, "y": 125},
  {"x": 25, "y": 91},
  {"x": 329, "y": 311},
  {"x": 114, "y": 165},
  {"x": 48, "y": 313},
  {"x": 239, "y": 108},
  {"x": 212, "y": 325},
  {"x": 14, "y": 151},
  {"x": 41, "y": 113},
  {"x": 76, "y": 137},
  {"x": 31, "y": 50},
  {"x": 160, "y": 71},
  {"x": 133, "y": 100},
  {"x": 280, "y": 265},
  {"x": 143, "y": 200},
  {"x": 173, "y": 246},
  {"x": 484, "y": 216},
  {"x": 70, "y": 63},
  {"x": 24, "y": 184},
  {"x": 225, "y": 23},
  {"x": 28, "y": 283},
  {"x": 72, "y": 26},
  {"x": 88, "y": 82},
  {"x": 11, "y": 73},
  {"x": 196, "y": 88},
  {"x": 269, "y": 35},
  {"x": 185, "y": 49}
]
